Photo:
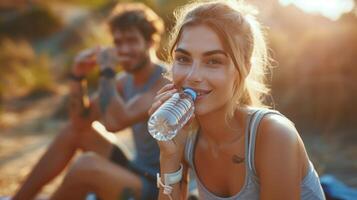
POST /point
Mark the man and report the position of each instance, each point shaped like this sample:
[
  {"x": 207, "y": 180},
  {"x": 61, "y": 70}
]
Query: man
[{"x": 120, "y": 103}]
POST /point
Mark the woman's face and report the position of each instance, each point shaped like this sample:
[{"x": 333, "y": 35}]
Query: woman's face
[{"x": 201, "y": 63}]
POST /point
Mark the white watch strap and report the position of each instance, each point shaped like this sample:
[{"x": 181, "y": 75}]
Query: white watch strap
[{"x": 172, "y": 178}]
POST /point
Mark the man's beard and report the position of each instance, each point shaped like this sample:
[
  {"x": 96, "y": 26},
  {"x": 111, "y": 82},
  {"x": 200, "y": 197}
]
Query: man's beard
[{"x": 139, "y": 65}]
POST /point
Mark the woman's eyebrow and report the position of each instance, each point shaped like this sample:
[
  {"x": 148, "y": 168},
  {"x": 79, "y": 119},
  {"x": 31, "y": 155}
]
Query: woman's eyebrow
[
  {"x": 182, "y": 51},
  {"x": 208, "y": 53}
]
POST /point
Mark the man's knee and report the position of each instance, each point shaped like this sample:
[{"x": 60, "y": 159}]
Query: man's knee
[
  {"x": 83, "y": 168},
  {"x": 75, "y": 137},
  {"x": 68, "y": 137}
]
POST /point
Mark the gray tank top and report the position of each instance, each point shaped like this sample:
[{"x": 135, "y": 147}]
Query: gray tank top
[
  {"x": 147, "y": 154},
  {"x": 310, "y": 186}
]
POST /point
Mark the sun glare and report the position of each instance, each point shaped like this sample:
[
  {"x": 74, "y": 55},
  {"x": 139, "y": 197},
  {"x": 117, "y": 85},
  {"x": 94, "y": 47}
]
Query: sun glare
[{"x": 332, "y": 9}]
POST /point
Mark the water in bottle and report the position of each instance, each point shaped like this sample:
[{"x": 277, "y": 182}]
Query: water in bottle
[{"x": 172, "y": 115}]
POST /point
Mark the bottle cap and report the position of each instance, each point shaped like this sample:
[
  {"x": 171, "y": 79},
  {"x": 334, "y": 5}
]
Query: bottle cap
[{"x": 190, "y": 92}]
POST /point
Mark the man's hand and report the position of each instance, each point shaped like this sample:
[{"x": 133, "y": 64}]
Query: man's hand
[
  {"x": 85, "y": 61},
  {"x": 107, "y": 58}
]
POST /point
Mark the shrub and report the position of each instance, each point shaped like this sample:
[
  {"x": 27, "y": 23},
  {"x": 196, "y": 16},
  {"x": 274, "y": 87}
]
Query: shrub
[{"x": 23, "y": 72}]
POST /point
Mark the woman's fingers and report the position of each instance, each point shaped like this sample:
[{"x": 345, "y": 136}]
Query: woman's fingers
[
  {"x": 160, "y": 99},
  {"x": 187, "y": 128},
  {"x": 166, "y": 87},
  {"x": 165, "y": 95},
  {"x": 154, "y": 106},
  {"x": 172, "y": 148}
]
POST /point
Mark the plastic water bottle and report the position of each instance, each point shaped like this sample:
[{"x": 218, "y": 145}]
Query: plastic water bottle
[{"x": 172, "y": 115}]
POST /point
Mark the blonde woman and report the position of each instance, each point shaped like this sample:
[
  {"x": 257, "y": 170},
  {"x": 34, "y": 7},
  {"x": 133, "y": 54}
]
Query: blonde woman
[{"x": 235, "y": 146}]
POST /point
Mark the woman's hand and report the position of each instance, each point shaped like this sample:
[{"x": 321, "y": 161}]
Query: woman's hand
[{"x": 171, "y": 151}]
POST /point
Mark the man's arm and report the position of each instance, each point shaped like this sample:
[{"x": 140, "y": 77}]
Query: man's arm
[
  {"x": 118, "y": 114},
  {"x": 80, "y": 106},
  {"x": 115, "y": 113},
  {"x": 79, "y": 101}
]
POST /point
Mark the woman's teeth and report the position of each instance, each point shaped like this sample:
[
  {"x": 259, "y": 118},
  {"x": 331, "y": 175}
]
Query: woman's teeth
[{"x": 199, "y": 93}]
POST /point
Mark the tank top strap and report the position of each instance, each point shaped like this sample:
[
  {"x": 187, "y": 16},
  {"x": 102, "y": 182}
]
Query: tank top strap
[
  {"x": 252, "y": 132},
  {"x": 189, "y": 148}
]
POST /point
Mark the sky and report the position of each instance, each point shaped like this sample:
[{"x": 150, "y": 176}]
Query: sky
[{"x": 331, "y": 9}]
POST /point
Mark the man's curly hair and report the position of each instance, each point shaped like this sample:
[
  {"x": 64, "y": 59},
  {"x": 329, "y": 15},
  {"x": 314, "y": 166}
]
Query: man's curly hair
[{"x": 137, "y": 15}]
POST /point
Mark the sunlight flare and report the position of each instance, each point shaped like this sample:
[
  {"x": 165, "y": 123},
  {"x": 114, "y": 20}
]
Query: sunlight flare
[{"x": 331, "y": 9}]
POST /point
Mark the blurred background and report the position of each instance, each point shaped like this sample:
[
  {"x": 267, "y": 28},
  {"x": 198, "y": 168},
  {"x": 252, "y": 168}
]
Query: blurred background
[{"x": 314, "y": 80}]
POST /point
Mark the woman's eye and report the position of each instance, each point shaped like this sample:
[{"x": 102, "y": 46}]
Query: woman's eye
[
  {"x": 181, "y": 59},
  {"x": 214, "y": 62}
]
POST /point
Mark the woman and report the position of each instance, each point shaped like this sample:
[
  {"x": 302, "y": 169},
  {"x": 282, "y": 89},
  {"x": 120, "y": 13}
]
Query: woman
[{"x": 237, "y": 148}]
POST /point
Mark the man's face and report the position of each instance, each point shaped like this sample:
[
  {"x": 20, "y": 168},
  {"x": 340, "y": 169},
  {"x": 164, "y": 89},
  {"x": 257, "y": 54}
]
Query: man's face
[{"x": 132, "y": 49}]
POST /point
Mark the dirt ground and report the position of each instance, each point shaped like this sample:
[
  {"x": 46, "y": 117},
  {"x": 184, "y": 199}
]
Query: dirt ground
[
  {"x": 26, "y": 131},
  {"x": 27, "y": 127}
]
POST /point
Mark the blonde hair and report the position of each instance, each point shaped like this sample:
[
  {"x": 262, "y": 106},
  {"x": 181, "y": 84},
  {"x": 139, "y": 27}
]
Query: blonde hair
[{"x": 241, "y": 36}]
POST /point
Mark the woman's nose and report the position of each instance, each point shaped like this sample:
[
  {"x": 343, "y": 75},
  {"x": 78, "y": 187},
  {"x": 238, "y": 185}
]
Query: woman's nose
[{"x": 195, "y": 75}]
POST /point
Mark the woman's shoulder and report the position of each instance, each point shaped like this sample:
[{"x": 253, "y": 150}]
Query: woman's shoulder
[
  {"x": 280, "y": 155},
  {"x": 274, "y": 121},
  {"x": 274, "y": 128},
  {"x": 271, "y": 128},
  {"x": 278, "y": 142}
]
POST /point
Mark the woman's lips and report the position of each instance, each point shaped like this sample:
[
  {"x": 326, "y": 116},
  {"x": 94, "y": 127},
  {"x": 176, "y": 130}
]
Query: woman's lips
[{"x": 201, "y": 93}]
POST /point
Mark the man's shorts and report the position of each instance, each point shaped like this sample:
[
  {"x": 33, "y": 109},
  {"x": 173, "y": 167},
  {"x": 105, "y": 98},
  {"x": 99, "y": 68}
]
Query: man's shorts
[{"x": 149, "y": 190}]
